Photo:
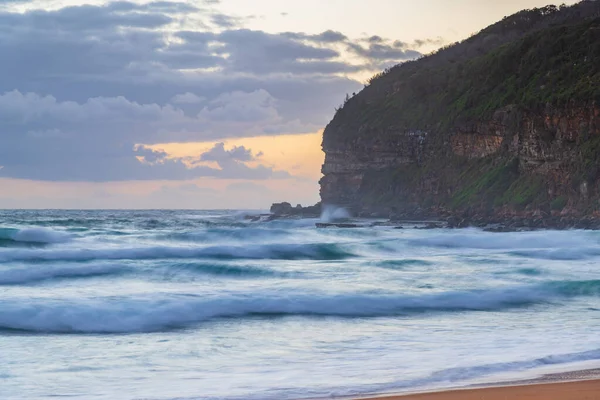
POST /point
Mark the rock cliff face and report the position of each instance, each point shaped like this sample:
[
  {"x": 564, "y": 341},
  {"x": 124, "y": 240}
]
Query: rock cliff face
[{"x": 512, "y": 129}]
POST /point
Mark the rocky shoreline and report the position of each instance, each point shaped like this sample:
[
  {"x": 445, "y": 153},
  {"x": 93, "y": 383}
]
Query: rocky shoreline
[
  {"x": 468, "y": 135},
  {"x": 503, "y": 223}
]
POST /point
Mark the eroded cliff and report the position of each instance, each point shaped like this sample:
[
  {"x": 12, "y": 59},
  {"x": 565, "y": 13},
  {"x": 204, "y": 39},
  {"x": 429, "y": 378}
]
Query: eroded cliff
[{"x": 506, "y": 123}]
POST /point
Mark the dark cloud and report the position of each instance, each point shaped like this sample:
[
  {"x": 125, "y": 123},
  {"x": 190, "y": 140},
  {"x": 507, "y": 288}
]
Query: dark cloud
[
  {"x": 377, "y": 51},
  {"x": 261, "y": 52},
  {"x": 439, "y": 41},
  {"x": 225, "y": 21},
  {"x": 218, "y": 154},
  {"x": 375, "y": 39},
  {"x": 44, "y": 138},
  {"x": 165, "y": 6},
  {"x": 81, "y": 86},
  {"x": 85, "y": 18},
  {"x": 187, "y": 98},
  {"x": 328, "y": 36}
]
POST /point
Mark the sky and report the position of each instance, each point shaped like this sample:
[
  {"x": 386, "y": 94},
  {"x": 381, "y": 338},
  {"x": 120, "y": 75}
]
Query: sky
[{"x": 198, "y": 104}]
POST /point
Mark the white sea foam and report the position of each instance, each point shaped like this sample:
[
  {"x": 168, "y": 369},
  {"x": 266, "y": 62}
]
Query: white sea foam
[
  {"x": 37, "y": 273},
  {"x": 331, "y": 213},
  {"x": 476, "y": 239},
  {"x": 368, "y": 310},
  {"x": 120, "y": 315},
  {"x": 35, "y": 235},
  {"x": 220, "y": 234},
  {"x": 269, "y": 251}
]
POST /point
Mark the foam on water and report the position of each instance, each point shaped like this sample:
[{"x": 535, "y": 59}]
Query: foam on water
[
  {"x": 34, "y": 235},
  {"x": 332, "y": 213},
  {"x": 317, "y": 251},
  {"x": 32, "y": 274},
  {"x": 38, "y": 273},
  {"x": 208, "y": 304},
  {"x": 219, "y": 234},
  {"x": 120, "y": 315},
  {"x": 476, "y": 239}
]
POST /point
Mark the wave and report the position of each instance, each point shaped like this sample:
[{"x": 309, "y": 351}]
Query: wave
[
  {"x": 124, "y": 315},
  {"x": 213, "y": 234},
  {"x": 401, "y": 264},
  {"x": 319, "y": 251},
  {"x": 560, "y": 254},
  {"x": 37, "y": 273},
  {"x": 574, "y": 288},
  {"x": 40, "y": 273},
  {"x": 40, "y": 236},
  {"x": 69, "y": 222},
  {"x": 439, "y": 380},
  {"x": 332, "y": 213},
  {"x": 527, "y": 271},
  {"x": 228, "y": 270},
  {"x": 469, "y": 373},
  {"x": 477, "y": 239}
]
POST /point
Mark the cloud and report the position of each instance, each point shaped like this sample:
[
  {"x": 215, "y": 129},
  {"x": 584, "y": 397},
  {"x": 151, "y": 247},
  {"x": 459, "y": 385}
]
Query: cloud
[
  {"x": 328, "y": 36},
  {"x": 225, "y": 21},
  {"x": 218, "y": 154},
  {"x": 9, "y": 2},
  {"x": 375, "y": 39},
  {"x": 233, "y": 163},
  {"x": 82, "y": 86},
  {"x": 438, "y": 41},
  {"x": 87, "y": 18},
  {"x": 187, "y": 98},
  {"x": 240, "y": 106},
  {"x": 377, "y": 50},
  {"x": 100, "y": 137}
]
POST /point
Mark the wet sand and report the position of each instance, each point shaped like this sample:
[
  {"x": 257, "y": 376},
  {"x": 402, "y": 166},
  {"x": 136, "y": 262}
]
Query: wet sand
[{"x": 580, "y": 385}]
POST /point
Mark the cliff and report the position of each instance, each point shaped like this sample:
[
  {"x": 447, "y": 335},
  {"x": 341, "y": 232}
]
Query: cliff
[{"x": 505, "y": 123}]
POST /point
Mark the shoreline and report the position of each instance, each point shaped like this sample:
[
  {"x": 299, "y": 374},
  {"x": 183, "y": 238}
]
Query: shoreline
[
  {"x": 568, "y": 390},
  {"x": 489, "y": 223},
  {"x": 569, "y": 385}
]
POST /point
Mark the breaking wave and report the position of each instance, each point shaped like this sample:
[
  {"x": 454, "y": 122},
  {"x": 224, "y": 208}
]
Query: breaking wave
[
  {"x": 216, "y": 234},
  {"x": 123, "y": 315},
  {"x": 476, "y": 239},
  {"x": 38, "y": 273},
  {"x": 41, "y": 273},
  {"x": 462, "y": 374},
  {"x": 319, "y": 251},
  {"x": 40, "y": 236}
]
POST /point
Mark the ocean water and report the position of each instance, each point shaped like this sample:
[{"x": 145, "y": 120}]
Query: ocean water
[{"x": 207, "y": 305}]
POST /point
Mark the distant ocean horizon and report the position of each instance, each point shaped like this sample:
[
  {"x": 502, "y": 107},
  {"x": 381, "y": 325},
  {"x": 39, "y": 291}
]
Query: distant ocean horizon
[{"x": 206, "y": 304}]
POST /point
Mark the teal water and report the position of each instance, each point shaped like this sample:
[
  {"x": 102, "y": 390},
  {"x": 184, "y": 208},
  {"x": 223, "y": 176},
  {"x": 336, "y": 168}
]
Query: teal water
[{"x": 207, "y": 305}]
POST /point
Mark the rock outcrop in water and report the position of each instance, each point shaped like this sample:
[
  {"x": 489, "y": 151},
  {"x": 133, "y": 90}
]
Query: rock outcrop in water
[
  {"x": 286, "y": 210},
  {"x": 505, "y": 125}
]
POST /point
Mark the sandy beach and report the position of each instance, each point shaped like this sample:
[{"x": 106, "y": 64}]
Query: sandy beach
[{"x": 580, "y": 385}]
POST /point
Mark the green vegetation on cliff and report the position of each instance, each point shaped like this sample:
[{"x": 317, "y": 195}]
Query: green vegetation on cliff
[
  {"x": 505, "y": 121},
  {"x": 543, "y": 56}
]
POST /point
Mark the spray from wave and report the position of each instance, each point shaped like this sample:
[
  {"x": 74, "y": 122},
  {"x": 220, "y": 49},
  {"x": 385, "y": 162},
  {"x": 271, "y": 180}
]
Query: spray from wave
[{"x": 331, "y": 213}]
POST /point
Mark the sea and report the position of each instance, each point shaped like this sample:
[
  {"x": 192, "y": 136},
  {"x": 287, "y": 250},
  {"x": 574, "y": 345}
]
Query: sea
[{"x": 213, "y": 305}]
